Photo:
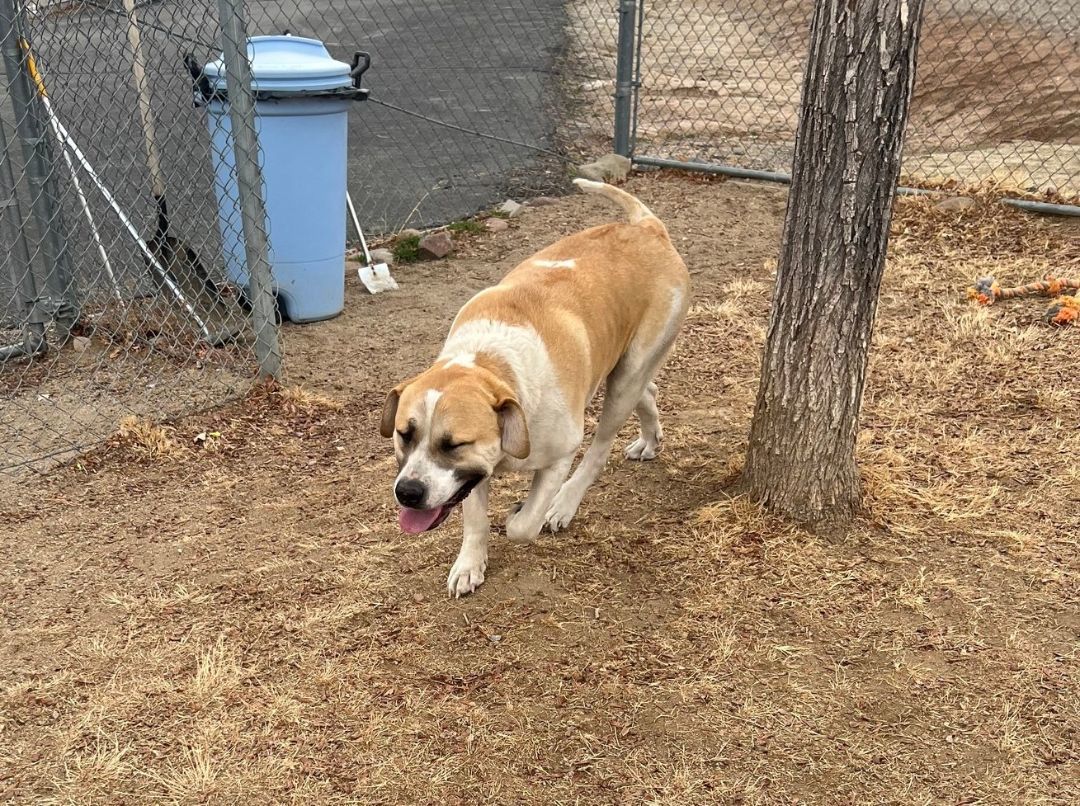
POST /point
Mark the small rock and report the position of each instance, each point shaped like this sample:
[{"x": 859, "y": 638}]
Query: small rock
[
  {"x": 609, "y": 168},
  {"x": 409, "y": 233},
  {"x": 541, "y": 201},
  {"x": 418, "y": 597},
  {"x": 510, "y": 207},
  {"x": 80, "y": 344},
  {"x": 595, "y": 84},
  {"x": 956, "y": 203},
  {"x": 495, "y": 225},
  {"x": 382, "y": 256},
  {"x": 436, "y": 245}
]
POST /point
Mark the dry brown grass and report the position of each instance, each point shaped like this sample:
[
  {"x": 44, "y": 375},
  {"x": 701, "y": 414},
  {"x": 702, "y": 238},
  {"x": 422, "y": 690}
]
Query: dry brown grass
[
  {"x": 300, "y": 399},
  {"x": 246, "y": 625},
  {"x": 148, "y": 439}
]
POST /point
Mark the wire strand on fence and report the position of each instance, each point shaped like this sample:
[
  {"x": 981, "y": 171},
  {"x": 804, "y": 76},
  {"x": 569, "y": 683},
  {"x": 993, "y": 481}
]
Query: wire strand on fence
[{"x": 464, "y": 130}]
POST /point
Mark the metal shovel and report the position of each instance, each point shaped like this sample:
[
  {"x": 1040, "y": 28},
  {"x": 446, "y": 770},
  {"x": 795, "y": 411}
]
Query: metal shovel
[{"x": 375, "y": 277}]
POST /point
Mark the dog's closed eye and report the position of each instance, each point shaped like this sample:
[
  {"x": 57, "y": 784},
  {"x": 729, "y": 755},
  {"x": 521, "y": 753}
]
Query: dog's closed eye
[
  {"x": 406, "y": 435},
  {"x": 448, "y": 445}
]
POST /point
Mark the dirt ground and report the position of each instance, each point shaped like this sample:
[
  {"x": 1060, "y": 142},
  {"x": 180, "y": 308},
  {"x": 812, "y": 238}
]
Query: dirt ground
[{"x": 224, "y": 611}]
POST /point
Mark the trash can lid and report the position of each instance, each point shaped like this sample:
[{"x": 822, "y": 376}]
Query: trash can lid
[{"x": 284, "y": 64}]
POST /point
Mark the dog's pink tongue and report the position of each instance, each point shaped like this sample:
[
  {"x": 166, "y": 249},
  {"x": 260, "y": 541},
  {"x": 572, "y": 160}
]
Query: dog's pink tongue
[{"x": 415, "y": 521}]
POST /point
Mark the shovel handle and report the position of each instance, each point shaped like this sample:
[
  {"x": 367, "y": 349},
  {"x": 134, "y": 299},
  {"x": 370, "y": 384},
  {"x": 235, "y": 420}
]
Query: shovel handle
[
  {"x": 356, "y": 226},
  {"x": 146, "y": 110}
]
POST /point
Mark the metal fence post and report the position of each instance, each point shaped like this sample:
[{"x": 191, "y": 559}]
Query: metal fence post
[
  {"x": 624, "y": 76},
  {"x": 250, "y": 186},
  {"x": 32, "y": 132},
  {"x": 19, "y": 262}
]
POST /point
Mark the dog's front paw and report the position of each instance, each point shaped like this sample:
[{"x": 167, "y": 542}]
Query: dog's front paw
[
  {"x": 466, "y": 575},
  {"x": 563, "y": 508},
  {"x": 519, "y": 530},
  {"x": 641, "y": 450}
]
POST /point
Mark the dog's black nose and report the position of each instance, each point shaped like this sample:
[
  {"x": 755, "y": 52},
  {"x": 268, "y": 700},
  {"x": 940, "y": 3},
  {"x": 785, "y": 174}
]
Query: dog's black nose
[{"x": 410, "y": 493}]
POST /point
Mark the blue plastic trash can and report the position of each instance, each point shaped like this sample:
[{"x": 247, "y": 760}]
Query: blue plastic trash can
[{"x": 302, "y": 98}]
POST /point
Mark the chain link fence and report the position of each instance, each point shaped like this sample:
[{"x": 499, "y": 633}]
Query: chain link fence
[
  {"x": 472, "y": 101},
  {"x": 996, "y": 99},
  {"x": 113, "y": 298}
]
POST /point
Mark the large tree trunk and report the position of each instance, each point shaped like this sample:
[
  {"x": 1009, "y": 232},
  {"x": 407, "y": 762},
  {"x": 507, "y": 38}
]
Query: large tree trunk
[{"x": 861, "y": 68}]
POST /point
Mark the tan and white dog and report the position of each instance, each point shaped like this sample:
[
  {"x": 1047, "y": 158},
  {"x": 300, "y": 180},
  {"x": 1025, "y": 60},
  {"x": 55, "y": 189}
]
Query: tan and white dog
[{"x": 522, "y": 362}]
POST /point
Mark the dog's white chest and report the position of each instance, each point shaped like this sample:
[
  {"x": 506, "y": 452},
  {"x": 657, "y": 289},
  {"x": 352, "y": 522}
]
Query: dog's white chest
[{"x": 551, "y": 427}]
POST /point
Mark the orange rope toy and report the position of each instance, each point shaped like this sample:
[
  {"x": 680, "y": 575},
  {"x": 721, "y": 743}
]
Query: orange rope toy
[{"x": 1064, "y": 310}]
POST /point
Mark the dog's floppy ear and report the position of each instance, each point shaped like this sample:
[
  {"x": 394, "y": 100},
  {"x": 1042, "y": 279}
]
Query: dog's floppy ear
[
  {"x": 389, "y": 412},
  {"x": 514, "y": 429}
]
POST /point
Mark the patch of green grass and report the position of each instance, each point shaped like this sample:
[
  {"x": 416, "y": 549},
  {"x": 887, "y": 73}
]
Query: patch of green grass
[
  {"x": 407, "y": 249},
  {"x": 499, "y": 214},
  {"x": 470, "y": 225}
]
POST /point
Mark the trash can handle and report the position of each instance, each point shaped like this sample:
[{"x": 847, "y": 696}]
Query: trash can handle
[{"x": 360, "y": 63}]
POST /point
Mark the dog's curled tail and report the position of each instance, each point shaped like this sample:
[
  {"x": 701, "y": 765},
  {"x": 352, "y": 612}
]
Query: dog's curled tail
[{"x": 637, "y": 211}]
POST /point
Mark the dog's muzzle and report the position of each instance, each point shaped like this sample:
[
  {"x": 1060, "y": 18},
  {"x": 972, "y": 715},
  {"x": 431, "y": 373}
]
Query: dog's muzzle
[{"x": 413, "y": 520}]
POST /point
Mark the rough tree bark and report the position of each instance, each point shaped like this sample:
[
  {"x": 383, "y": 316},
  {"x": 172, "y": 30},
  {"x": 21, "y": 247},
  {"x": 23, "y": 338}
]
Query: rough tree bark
[{"x": 860, "y": 72}]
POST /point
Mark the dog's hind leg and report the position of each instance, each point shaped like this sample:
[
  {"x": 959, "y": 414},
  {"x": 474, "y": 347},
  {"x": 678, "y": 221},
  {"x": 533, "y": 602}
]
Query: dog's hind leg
[
  {"x": 648, "y": 441},
  {"x": 628, "y": 388}
]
